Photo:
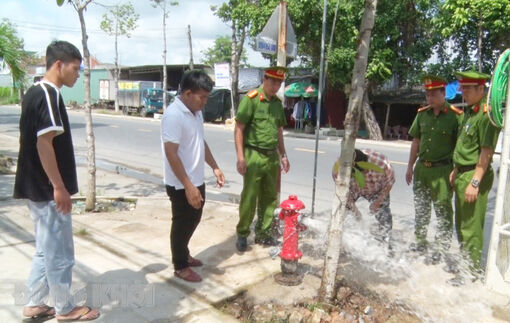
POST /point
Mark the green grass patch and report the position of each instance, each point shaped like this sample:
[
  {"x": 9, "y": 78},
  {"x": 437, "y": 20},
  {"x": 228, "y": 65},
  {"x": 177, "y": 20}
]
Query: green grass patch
[
  {"x": 81, "y": 232},
  {"x": 8, "y": 95}
]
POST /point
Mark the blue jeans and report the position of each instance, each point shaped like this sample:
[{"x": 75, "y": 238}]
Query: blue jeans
[{"x": 53, "y": 261}]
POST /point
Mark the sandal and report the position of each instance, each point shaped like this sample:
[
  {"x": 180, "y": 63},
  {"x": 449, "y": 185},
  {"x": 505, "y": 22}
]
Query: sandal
[
  {"x": 193, "y": 262},
  {"x": 44, "y": 311},
  {"x": 85, "y": 314},
  {"x": 188, "y": 275}
]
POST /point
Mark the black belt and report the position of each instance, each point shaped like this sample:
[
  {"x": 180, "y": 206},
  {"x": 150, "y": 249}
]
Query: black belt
[
  {"x": 268, "y": 152},
  {"x": 463, "y": 169},
  {"x": 438, "y": 163}
]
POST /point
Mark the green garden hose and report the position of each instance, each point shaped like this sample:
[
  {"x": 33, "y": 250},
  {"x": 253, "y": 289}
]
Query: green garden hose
[{"x": 498, "y": 89}]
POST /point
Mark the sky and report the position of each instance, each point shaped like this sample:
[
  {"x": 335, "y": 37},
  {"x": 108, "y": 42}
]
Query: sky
[{"x": 38, "y": 22}]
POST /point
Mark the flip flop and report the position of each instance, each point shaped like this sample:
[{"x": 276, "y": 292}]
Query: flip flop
[
  {"x": 193, "y": 262},
  {"x": 82, "y": 316},
  {"x": 45, "y": 312},
  {"x": 188, "y": 275}
]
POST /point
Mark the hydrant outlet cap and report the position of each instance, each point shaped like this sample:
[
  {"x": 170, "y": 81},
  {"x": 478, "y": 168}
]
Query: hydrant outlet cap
[{"x": 292, "y": 203}]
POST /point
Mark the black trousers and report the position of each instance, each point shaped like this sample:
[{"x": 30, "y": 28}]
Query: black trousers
[{"x": 185, "y": 219}]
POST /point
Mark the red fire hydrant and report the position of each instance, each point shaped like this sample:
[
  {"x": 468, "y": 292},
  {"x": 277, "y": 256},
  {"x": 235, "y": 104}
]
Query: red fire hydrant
[{"x": 290, "y": 253}]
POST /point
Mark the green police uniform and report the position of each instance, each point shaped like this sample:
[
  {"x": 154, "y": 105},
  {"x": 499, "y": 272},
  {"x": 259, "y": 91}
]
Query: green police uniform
[
  {"x": 262, "y": 119},
  {"x": 476, "y": 131},
  {"x": 437, "y": 135}
]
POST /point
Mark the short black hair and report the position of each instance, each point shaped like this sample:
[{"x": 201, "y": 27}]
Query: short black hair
[
  {"x": 360, "y": 156},
  {"x": 60, "y": 50},
  {"x": 195, "y": 80}
]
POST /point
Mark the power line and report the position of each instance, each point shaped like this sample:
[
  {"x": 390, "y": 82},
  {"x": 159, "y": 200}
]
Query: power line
[
  {"x": 25, "y": 25},
  {"x": 100, "y": 32},
  {"x": 61, "y": 26}
]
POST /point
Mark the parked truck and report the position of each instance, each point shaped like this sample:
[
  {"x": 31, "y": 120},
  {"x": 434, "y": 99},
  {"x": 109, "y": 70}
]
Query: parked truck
[{"x": 142, "y": 97}]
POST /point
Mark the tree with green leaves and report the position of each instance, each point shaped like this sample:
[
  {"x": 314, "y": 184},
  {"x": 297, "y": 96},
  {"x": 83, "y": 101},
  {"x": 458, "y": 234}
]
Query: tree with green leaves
[
  {"x": 12, "y": 52},
  {"x": 221, "y": 52},
  {"x": 120, "y": 20},
  {"x": 401, "y": 40},
  {"x": 239, "y": 14},
  {"x": 478, "y": 27},
  {"x": 80, "y": 6},
  {"x": 164, "y": 5}
]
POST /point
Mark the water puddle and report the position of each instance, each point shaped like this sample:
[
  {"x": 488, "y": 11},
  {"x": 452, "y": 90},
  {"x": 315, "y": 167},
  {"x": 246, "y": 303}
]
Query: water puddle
[{"x": 405, "y": 277}]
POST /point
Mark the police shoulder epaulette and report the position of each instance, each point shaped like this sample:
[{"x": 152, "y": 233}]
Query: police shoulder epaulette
[
  {"x": 252, "y": 94},
  {"x": 456, "y": 110},
  {"x": 424, "y": 108}
]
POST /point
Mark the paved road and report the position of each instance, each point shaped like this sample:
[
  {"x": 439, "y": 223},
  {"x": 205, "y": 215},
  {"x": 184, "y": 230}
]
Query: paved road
[{"x": 134, "y": 143}]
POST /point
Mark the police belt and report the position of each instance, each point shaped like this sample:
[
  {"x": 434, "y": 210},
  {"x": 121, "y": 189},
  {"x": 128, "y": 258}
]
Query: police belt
[
  {"x": 463, "y": 169},
  {"x": 442, "y": 162},
  {"x": 268, "y": 152}
]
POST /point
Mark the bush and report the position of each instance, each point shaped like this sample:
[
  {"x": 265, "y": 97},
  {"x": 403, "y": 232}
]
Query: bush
[{"x": 8, "y": 95}]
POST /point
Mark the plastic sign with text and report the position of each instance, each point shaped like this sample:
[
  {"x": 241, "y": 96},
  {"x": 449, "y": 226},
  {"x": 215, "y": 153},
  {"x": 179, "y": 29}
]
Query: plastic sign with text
[
  {"x": 222, "y": 75},
  {"x": 266, "y": 45},
  {"x": 267, "y": 40}
]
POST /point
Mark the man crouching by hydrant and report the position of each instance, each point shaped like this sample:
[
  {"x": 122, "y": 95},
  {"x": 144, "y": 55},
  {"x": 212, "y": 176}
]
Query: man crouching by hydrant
[
  {"x": 259, "y": 146},
  {"x": 373, "y": 178},
  {"x": 184, "y": 148}
]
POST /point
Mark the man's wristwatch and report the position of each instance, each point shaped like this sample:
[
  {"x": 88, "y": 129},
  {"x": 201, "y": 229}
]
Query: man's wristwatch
[{"x": 475, "y": 183}]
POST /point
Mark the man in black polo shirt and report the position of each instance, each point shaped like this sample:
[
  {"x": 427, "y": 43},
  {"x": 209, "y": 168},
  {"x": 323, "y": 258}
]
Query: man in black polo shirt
[{"x": 46, "y": 176}]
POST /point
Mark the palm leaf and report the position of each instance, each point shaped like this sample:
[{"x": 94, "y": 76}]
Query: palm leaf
[{"x": 11, "y": 50}]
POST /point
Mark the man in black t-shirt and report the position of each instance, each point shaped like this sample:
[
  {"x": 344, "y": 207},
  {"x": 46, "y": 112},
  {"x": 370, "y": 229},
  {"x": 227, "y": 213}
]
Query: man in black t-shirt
[{"x": 46, "y": 176}]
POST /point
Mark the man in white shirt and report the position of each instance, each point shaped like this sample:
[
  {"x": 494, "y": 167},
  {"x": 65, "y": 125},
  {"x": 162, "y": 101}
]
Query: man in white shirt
[{"x": 185, "y": 150}]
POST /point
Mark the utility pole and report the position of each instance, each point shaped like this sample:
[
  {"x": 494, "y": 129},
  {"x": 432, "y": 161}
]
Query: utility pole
[
  {"x": 281, "y": 58},
  {"x": 319, "y": 103},
  {"x": 190, "y": 49},
  {"x": 165, "y": 77}
]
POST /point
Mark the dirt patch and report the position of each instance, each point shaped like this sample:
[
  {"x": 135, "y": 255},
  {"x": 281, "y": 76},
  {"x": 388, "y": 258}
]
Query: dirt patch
[{"x": 352, "y": 304}]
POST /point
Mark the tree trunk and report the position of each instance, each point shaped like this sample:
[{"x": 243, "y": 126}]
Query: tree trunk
[
  {"x": 191, "y": 66},
  {"x": 90, "y": 201},
  {"x": 117, "y": 72},
  {"x": 235, "y": 67},
  {"x": 480, "y": 36},
  {"x": 164, "y": 56},
  {"x": 386, "y": 130},
  {"x": 21, "y": 91},
  {"x": 334, "y": 243},
  {"x": 374, "y": 131}
]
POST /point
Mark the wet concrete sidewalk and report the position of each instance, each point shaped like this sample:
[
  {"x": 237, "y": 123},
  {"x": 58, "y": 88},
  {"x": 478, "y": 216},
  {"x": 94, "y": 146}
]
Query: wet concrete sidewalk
[
  {"x": 123, "y": 259},
  {"x": 123, "y": 264}
]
